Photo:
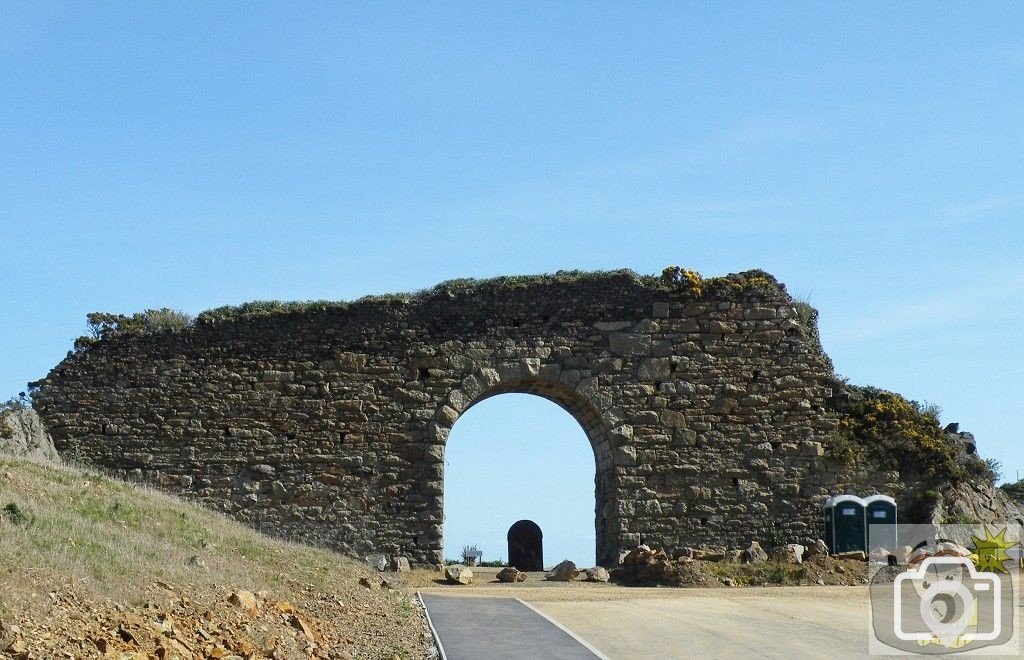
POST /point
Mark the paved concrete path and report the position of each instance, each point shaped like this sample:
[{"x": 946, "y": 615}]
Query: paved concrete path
[
  {"x": 724, "y": 623},
  {"x": 498, "y": 629}
]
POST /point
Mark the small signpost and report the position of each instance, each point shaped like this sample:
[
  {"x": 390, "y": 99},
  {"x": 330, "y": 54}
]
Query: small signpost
[{"x": 472, "y": 555}]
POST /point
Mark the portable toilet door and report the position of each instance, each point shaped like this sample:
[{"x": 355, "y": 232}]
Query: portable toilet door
[
  {"x": 880, "y": 513},
  {"x": 830, "y": 538},
  {"x": 848, "y": 524}
]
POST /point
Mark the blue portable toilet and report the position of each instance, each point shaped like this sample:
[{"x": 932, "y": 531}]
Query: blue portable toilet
[
  {"x": 880, "y": 513},
  {"x": 848, "y": 527}
]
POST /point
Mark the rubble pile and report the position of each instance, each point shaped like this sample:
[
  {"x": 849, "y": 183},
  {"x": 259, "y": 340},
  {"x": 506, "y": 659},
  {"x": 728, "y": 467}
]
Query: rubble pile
[
  {"x": 789, "y": 564},
  {"x": 182, "y": 623}
]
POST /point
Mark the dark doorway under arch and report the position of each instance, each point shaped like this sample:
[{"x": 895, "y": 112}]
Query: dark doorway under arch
[{"x": 526, "y": 546}]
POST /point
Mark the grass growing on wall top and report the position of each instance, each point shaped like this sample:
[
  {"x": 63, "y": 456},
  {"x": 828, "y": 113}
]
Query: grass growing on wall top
[{"x": 103, "y": 325}]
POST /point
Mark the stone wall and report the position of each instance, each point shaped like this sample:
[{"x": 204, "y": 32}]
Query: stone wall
[{"x": 707, "y": 405}]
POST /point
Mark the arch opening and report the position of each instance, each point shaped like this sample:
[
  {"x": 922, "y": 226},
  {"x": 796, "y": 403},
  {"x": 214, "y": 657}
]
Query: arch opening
[{"x": 520, "y": 456}]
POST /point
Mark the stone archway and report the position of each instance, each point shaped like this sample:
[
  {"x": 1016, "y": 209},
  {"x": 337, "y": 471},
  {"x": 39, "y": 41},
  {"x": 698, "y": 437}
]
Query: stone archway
[{"x": 706, "y": 403}]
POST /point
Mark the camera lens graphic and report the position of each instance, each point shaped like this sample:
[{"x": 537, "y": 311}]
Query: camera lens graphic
[{"x": 946, "y": 608}]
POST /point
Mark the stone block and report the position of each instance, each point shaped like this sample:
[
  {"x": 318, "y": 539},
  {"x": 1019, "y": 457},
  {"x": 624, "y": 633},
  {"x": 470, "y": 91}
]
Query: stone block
[
  {"x": 629, "y": 345},
  {"x": 654, "y": 369}
]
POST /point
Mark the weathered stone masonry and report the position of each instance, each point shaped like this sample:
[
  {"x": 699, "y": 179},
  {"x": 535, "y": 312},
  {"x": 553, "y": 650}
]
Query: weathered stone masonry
[{"x": 707, "y": 411}]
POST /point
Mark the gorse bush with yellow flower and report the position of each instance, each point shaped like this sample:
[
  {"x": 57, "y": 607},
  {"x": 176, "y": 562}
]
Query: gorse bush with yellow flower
[{"x": 894, "y": 433}]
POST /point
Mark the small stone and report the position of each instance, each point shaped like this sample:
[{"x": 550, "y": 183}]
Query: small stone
[
  {"x": 597, "y": 574},
  {"x": 380, "y": 562},
  {"x": 950, "y": 549},
  {"x": 263, "y": 470},
  {"x": 510, "y": 574},
  {"x": 879, "y": 556},
  {"x": 563, "y": 572},
  {"x": 458, "y": 574},
  {"x": 246, "y": 601},
  {"x": 400, "y": 564},
  {"x": 300, "y": 624},
  {"x": 638, "y": 556}
]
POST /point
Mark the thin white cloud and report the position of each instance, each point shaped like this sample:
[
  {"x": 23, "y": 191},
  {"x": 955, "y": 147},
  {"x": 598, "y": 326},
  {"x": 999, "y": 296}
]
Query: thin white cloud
[
  {"x": 932, "y": 310},
  {"x": 635, "y": 187},
  {"x": 897, "y": 319},
  {"x": 966, "y": 211}
]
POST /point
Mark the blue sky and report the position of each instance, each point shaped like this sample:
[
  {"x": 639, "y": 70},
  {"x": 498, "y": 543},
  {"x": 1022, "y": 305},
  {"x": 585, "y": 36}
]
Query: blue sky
[{"x": 192, "y": 155}]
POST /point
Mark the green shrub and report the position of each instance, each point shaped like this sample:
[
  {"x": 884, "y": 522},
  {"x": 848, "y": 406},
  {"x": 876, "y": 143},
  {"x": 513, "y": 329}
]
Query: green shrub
[
  {"x": 16, "y": 515},
  {"x": 769, "y": 536},
  {"x": 987, "y": 470},
  {"x": 104, "y": 325},
  {"x": 897, "y": 434},
  {"x": 1014, "y": 490},
  {"x": 20, "y": 402}
]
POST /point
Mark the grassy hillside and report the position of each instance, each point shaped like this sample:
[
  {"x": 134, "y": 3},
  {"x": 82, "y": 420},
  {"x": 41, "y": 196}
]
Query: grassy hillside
[{"x": 92, "y": 567}]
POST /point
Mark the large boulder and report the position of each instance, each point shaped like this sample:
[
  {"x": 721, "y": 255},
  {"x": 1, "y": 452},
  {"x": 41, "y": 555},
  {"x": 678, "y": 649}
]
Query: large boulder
[
  {"x": 941, "y": 549},
  {"x": 458, "y": 574},
  {"x": 754, "y": 554},
  {"x": 510, "y": 574},
  {"x": 791, "y": 553},
  {"x": 643, "y": 555},
  {"x": 400, "y": 564},
  {"x": 681, "y": 572},
  {"x": 378, "y": 561},
  {"x": 563, "y": 572},
  {"x": 22, "y": 433},
  {"x": 818, "y": 549},
  {"x": 732, "y": 556},
  {"x": 902, "y": 553},
  {"x": 597, "y": 574}
]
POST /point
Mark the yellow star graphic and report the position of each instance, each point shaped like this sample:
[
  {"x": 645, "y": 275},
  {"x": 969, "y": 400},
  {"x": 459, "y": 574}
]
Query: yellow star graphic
[{"x": 991, "y": 551}]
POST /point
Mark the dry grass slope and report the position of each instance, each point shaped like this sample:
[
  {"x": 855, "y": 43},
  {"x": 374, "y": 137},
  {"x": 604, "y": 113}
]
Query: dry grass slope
[{"x": 92, "y": 567}]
